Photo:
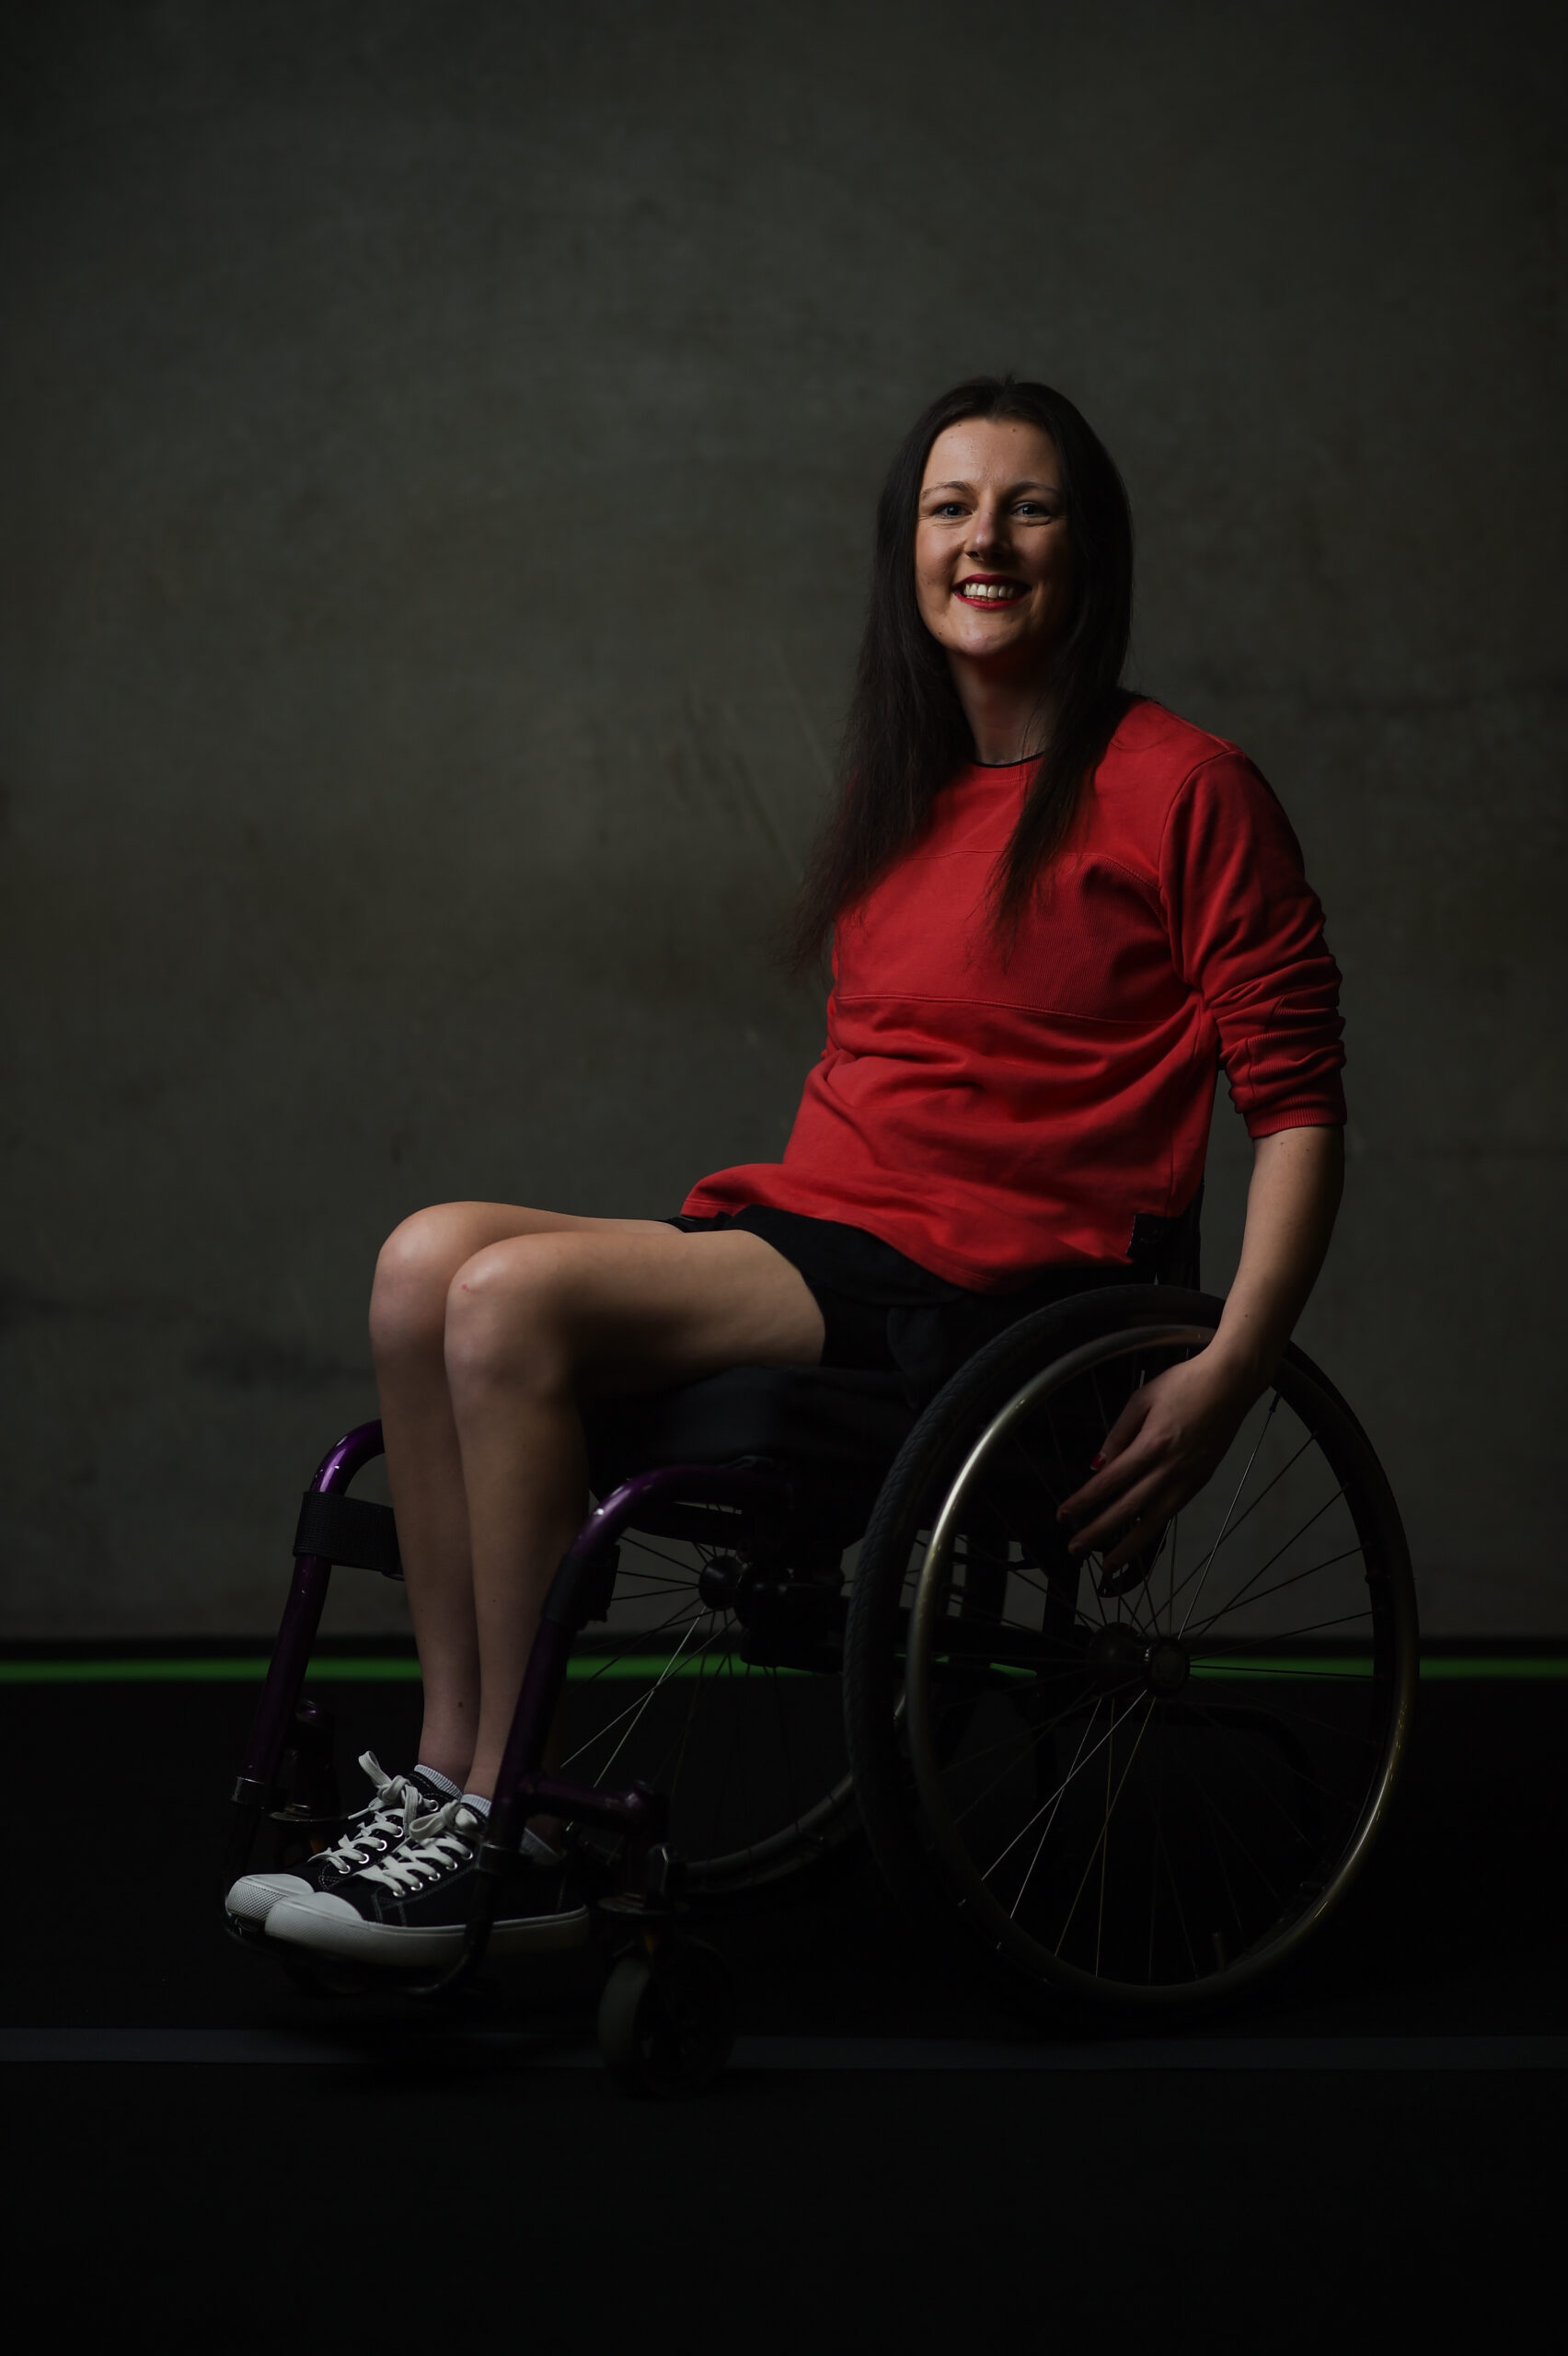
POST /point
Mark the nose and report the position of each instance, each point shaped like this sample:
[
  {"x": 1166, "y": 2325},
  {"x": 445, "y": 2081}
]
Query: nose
[{"x": 987, "y": 534}]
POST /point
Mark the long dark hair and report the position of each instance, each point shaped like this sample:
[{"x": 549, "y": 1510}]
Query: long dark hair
[{"x": 906, "y": 733}]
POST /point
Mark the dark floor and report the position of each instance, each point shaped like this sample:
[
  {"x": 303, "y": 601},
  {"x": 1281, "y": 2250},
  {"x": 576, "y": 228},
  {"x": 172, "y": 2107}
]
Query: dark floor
[
  {"x": 1459, "y": 1927},
  {"x": 249, "y": 2208},
  {"x": 1259, "y": 2206}
]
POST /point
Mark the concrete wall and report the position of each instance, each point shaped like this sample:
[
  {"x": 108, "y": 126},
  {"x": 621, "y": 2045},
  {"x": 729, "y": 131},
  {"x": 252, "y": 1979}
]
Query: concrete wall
[{"x": 441, "y": 442}]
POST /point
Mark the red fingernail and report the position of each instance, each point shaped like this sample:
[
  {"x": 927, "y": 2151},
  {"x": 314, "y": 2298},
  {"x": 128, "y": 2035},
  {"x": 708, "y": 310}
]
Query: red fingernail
[{"x": 1095, "y": 1463}]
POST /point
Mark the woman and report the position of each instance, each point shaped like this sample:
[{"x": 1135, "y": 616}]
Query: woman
[{"x": 1056, "y": 907}]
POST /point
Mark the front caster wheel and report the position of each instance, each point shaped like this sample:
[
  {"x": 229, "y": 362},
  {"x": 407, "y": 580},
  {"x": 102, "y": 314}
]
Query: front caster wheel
[{"x": 667, "y": 2019}]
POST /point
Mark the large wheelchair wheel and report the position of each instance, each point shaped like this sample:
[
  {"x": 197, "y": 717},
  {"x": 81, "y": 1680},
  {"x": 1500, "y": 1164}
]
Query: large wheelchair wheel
[
  {"x": 1143, "y": 1792},
  {"x": 715, "y": 1679}
]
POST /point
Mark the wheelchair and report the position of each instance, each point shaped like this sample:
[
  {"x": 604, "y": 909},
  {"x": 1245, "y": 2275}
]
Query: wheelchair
[{"x": 802, "y": 1612}]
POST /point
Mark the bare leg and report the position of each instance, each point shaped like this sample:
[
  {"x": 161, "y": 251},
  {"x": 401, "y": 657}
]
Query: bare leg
[
  {"x": 408, "y": 1321},
  {"x": 514, "y": 1314},
  {"x": 535, "y": 1325}
]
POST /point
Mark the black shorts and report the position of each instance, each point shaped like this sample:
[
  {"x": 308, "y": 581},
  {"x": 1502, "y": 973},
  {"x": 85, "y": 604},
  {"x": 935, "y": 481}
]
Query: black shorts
[{"x": 885, "y": 1315}]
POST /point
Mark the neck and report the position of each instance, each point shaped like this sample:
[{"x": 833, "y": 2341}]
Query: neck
[{"x": 1009, "y": 713}]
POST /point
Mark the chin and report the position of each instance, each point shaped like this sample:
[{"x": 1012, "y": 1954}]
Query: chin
[{"x": 984, "y": 638}]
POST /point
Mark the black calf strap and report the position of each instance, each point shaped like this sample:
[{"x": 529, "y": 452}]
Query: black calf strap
[{"x": 350, "y": 1530}]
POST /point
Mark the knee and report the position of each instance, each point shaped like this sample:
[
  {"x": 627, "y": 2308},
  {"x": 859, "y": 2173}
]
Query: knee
[
  {"x": 506, "y": 1315},
  {"x": 413, "y": 1269}
]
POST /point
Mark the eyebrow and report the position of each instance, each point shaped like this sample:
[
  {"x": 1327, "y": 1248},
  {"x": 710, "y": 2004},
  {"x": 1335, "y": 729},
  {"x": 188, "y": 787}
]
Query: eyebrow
[{"x": 1030, "y": 482}]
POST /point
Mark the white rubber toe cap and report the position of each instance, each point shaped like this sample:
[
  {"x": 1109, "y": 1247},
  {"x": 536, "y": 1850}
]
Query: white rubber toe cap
[
  {"x": 253, "y": 1898},
  {"x": 331, "y": 1927}
]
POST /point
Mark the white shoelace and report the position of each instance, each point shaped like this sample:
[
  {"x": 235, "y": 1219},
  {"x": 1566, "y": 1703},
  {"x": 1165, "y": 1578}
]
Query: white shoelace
[
  {"x": 399, "y": 1803},
  {"x": 436, "y": 1843}
]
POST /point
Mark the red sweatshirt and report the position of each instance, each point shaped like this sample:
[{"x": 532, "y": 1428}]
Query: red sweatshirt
[{"x": 990, "y": 1115}]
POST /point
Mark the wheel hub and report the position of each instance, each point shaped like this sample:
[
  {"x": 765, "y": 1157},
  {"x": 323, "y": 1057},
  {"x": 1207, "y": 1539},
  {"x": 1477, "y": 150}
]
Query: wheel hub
[
  {"x": 1121, "y": 1656},
  {"x": 1166, "y": 1665}
]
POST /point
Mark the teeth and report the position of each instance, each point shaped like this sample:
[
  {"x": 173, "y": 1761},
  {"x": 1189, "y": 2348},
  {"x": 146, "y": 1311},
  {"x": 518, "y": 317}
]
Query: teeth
[{"x": 989, "y": 593}]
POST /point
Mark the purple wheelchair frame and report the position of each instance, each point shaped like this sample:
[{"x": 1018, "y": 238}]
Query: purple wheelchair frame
[{"x": 580, "y": 1592}]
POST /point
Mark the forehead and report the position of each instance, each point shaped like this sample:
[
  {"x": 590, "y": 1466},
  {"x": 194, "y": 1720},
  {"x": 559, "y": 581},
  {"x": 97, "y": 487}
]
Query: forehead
[{"x": 988, "y": 449}]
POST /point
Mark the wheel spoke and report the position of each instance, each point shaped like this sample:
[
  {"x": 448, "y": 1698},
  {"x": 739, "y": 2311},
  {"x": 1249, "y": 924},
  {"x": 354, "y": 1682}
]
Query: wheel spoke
[
  {"x": 1309, "y": 1523},
  {"x": 1267, "y": 1490},
  {"x": 1221, "y": 1818},
  {"x": 637, "y": 1641},
  {"x": 1051, "y": 1804},
  {"x": 1104, "y": 1829},
  {"x": 1308, "y": 1628},
  {"x": 1329, "y": 1563},
  {"x": 636, "y": 1710},
  {"x": 1013, "y": 1747},
  {"x": 1262, "y": 1782},
  {"x": 1097, "y": 1830},
  {"x": 1181, "y": 1910},
  {"x": 1225, "y": 1525}
]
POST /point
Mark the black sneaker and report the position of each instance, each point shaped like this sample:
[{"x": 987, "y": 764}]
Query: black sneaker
[
  {"x": 373, "y": 1833},
  {"x": 411, "y": 1907}
]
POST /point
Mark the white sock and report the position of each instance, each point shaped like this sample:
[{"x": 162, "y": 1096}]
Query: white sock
[
  {"x": 532, "y": 1847},
  {"x": 443, "y": 1783}
]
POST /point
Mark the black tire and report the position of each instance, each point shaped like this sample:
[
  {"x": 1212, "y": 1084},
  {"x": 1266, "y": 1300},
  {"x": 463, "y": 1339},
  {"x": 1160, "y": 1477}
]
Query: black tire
[
  {"x": 667, "y": 2018},
  {"x": 1240, "y": 1768}
]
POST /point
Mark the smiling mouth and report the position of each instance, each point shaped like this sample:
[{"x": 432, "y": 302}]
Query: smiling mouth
[{"x": 989, "y": 590}]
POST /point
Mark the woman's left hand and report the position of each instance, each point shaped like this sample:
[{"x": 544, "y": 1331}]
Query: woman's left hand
[
  {"x": 1172, "y": 1433},
  {"x": 1157, "y": 1454}
]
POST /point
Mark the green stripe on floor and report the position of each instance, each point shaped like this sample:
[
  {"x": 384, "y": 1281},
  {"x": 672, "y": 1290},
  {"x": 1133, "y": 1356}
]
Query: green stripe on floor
[
  {"x": 1503, "y": 1664},
  {"x": 249, "y": 1669},
  {"x": 642, "y": 1668},
  {"x": 332, "y": 1669}
]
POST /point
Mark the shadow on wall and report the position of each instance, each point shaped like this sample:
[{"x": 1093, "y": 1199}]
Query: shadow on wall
[{"x": 442, "y": 456}]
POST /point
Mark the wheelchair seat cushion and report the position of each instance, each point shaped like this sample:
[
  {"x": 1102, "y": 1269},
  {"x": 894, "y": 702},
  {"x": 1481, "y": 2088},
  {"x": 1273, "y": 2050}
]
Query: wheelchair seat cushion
[{"x": 840, "y": 1427}]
